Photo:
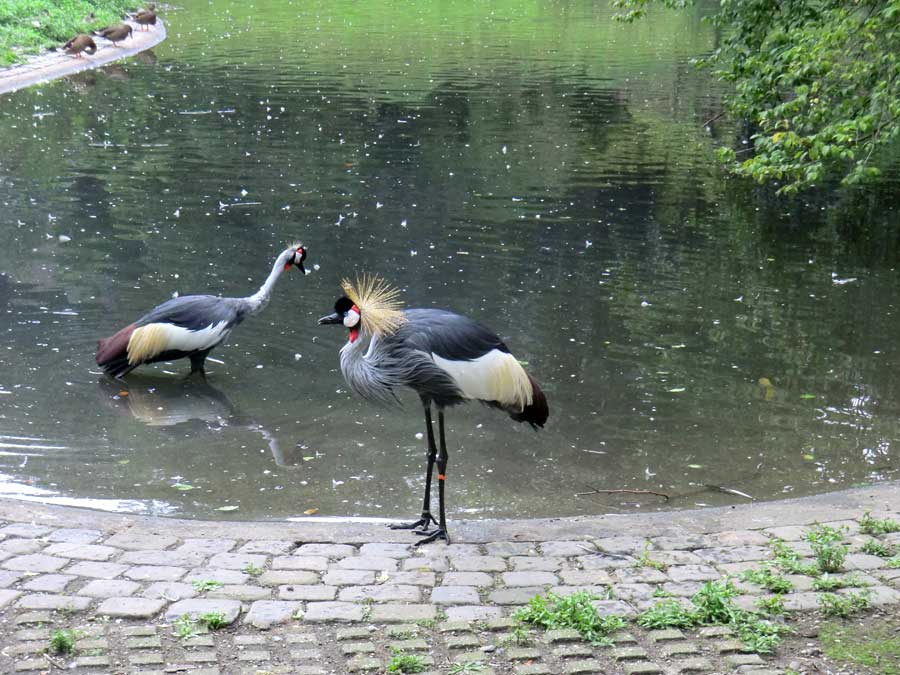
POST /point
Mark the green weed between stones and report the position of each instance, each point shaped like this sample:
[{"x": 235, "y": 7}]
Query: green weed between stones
[
  {"x": 63, "y": 641},
  {"x": 829, "y": 583},
  {"x": 788, "y": 560},
  {"x": 466, "y": 667},
  {"x": 826, "y": 546},
  {"x": 572, "y": 611},
  {"x": 185, "y": 627},
  {"x": 894, "y": 563},
  {"x": 843, "y": 605},
  {"x": 879, "y": 548},
  {"x": 768, "y": 579},
  {"x": 873, "y": 526},
  {"x": 213, "y": 620},
  {"x": 406, "y": 663},
  {"x": 203, "y": 585},
  {"x": 879, "y": 649},
  {"x": 252, "y": 570},
  {"x": 714, "y": 604},
  {"x": 644, "y": 560}
]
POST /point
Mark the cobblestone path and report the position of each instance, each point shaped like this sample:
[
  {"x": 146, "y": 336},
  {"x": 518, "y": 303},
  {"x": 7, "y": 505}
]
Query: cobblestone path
[{"x": 291, "y": 605}]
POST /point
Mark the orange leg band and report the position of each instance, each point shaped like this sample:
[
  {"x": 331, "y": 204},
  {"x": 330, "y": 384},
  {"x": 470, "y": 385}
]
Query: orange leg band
[{"x": 442, "y": 476}]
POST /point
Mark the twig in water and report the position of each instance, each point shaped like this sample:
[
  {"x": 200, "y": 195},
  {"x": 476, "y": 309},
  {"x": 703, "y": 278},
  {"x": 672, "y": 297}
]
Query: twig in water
[
  {"x": 730, "y": 491},
  {"x": 596, "y": 491},
  {"x": 714, "y": 118}
]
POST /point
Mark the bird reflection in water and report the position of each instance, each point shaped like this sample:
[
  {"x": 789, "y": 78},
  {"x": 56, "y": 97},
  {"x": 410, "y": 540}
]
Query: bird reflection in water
[{"x": 164, "y": 402}]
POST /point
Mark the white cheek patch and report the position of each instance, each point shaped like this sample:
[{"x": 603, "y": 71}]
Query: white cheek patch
[{"x": 351, "y": 319}]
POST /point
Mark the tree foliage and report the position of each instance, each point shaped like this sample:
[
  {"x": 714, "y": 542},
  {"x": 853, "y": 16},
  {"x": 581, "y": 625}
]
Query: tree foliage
[{"x": 817, "y": 81}]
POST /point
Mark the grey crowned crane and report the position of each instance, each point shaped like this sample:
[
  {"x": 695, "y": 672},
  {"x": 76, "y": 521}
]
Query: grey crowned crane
[
  {"x": 188, "y": 326},
  {"x": 445, "y": 358}
]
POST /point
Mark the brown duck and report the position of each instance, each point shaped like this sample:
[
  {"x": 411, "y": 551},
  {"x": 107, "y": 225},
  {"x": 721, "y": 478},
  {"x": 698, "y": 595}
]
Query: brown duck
[
  {"x": 115, "y": 33},
  {"x": 80, "y": 43},
  {"x": 146, "y": 17}
]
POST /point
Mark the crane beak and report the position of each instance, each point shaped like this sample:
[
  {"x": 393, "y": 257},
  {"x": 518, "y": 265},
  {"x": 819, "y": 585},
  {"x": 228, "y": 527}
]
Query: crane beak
[
  {"x": 301, "y": 267},
  {"x": 330, "y": 319}
]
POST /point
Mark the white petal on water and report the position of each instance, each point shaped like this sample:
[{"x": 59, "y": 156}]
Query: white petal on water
[{"x": 63, "y": 238}]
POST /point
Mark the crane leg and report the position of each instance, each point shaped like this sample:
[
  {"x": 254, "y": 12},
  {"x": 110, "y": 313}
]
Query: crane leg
[
  {"x": 197, "y": 361},
  {"x": 425, "y": 519},
  {"x": 441, "y": 531}
]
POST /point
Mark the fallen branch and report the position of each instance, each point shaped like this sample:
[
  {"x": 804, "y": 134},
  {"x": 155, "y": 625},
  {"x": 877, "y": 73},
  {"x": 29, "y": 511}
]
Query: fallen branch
[{"x": 596, "y": 491}]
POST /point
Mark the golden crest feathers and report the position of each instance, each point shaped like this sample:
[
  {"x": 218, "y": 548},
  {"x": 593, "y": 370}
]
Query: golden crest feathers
[{"x": 379, "y": 304}]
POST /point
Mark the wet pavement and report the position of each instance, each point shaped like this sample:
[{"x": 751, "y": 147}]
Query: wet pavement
[{"x": 328, "y": 597}]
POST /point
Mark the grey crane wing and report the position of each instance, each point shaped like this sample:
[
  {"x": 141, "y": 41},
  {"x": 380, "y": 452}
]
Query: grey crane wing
[
  {"x": 194, "y": 312},
  {"x": 450, "y": 336}
]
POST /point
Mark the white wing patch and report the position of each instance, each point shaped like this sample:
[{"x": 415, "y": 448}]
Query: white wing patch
[
  {"x": 495, "y": 376},
  {"x": 147, "y": 342}
]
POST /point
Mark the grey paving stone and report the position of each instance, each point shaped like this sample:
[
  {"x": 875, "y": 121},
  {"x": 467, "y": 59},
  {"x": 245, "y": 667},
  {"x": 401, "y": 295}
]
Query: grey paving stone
[
  {"x": 671, "y": 557},
  {"x": 267, "y": 547},
  {"x": 737, "y": 660},
  {"x": 109, "y": 588},
  {"x": 584, "y": 666},
  {"x": 351, "y": 634},
  {"x": 197, "y": 606},
  {"x": 642, "y": 668},
  {"x": 136, "y": 541},
  {"x": 348, "y": 577},
  {"x": 513, "y": 596},
  {"x": 250, "y": 639},
  {"x": 682, "y": 589},
  {"x": 81, "y": 551},
  {"x": 715, "y": 631},
  {"x": 562, "y": 635},
  {"x": 146, "y": 659},
  {"x": 169, "y": 590},
  {"x": 482, "y": 563},
  {"x": 254, "y": 655},
  {"x": 455, "y": 595},
  {"x": 238, "y": 561},
  {"x": 350, "y": 648},
  {"x": 326, "y": 550},
  {"x": 148, "y": 642},
  {"x": 201, "y": 657},
  {"x": 382, "y": 593},
  {"x": 585, "y": 577},
  {"x": 7, "y": 596},
  {"x": 536, "y": 563},
  {"x": 602, "y": 561},
  {"x": 566, "y": 549},
  {"x": 412, "y": 578},
  {"x": 863, "y": 561},
  {"x": 682, "y": 648},
  {"x": 633, "y": 592},
  {"x": 166, "y": 558},
  {"x": 505, "y": 549},
  {"x": 300, "y": 562},
  {"x": 326, "y": 612},
  {"x": 36, "y": 562},
  {"x": 473, "y": 613},
  {"x": 31, "y": 664},
  {"x": 283, "y": 577},
  {"x": 573, "y": 651},
  {"x": 402, "y": 613},
  {"x": 385, "y": 550},
  {"x": 266, "y": 613},
  {"x": 533, "y": 669},
  {"x": 27, "y": 530},
  {"x": 310, "y": 592},
  {"x": 610, "y": 607},
  {"x": 223, "y": 576},
  {"x": 139, "y": 631},
  {"x": 377, "y": 564},
  {"x": 8, "y": 578},
  {"x": 244, "y": 592},
  {"x": 729, "y": 646},
  {"x": 364, "y": 663},
  {"x": 632, "y": 575},
  {"x": 131, "y": 608},
  {"x": 629, "y": 653},
  {"x": 49, "y": 583},
  {"x": 97, "y": 570},
  {"x": 692, "y": 665},
  {"x": 208, "y": 546},
  {"x": 20, "y": 546},
  {"x": 529, "y": 579},
  {"x": 430, "y": 564},
  {"x": 155, "y": 573},
  {"x": 799, "y": 602},
  {"x": 51, "y": 601},
  {"x": 742, "y": 538},
  {"x": 455, "y": 626},
  {"x": 786, "y": 533},
  {"x": 734, "y": 554},
  {"x": 882, "y": 595},
  {"x": 478, "y": 579},
  {"x": 523, "y": 653},
  {"x": 666, "y": 635},
  {"x": 692, "y": 573},
  {"x": 40, "y": 618}
]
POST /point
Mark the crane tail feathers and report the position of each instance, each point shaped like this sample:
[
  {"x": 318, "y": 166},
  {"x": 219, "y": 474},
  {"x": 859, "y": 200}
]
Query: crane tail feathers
[
  {"x": 112, "y": 352},
  {"x": 536, "y": 412}
]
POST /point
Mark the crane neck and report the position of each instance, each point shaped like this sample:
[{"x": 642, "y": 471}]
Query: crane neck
[{"x": 257, "y": 302}]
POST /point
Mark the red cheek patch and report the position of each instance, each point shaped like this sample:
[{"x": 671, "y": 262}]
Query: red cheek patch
[{"x": 354, "y": 334}]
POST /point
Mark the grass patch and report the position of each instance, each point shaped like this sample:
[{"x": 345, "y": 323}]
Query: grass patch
[
  {"x": 874, "y": 526},
  {"x": 894, "y": 563},
  {"x": 572, "y": 611},
  {"x": 465, "y": 667},
  {"x": 768, "y": 579},
  {"x": 252, "y": 570},
  {"x": 843, "y": 605},
  {"x": 406, "y": 663},
  {"x": 185, "y": 627},
  {"x": 644, "y": 560},
  {"x": 773, "y": 606},
  {"x": 27, "y": 26},
  {"x": 213, "y": 620},
  {"x": 203, "y": 585},
  {"x": 63, "y": 641},
  {"x": 788, "y": 560},
  {"x": 876, "y": 648},
  {"x": 667, "y": 614}
]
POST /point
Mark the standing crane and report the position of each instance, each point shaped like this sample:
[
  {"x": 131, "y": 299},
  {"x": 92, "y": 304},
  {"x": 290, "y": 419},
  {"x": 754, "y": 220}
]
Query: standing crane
[
  {"x": 188, "y": 326},
  {"x": 445, "y": 358}
]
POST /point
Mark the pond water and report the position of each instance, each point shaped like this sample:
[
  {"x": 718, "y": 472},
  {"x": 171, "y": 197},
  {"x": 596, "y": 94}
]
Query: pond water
[{"x": 530, "y": 164}]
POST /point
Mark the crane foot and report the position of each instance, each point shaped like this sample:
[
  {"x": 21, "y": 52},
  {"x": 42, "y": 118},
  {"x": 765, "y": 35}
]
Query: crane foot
[
  {"x": 424, "y": 521},
  {"x": 428, "y": 537}
]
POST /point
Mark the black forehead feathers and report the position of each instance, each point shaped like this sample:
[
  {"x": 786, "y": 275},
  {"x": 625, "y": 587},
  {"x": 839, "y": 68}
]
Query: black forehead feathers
[
  {"x": 302, "y": 251},
  {"x": 343, "y": 305}
]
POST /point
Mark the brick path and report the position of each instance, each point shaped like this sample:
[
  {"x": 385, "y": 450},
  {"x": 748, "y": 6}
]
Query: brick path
[{"x": 316, "y": 598}]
